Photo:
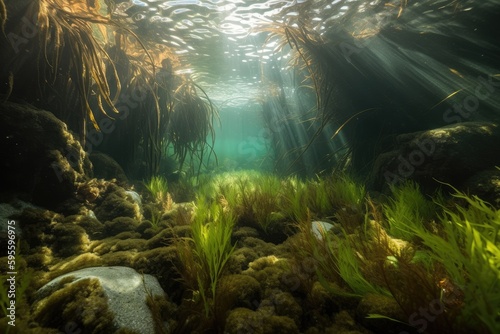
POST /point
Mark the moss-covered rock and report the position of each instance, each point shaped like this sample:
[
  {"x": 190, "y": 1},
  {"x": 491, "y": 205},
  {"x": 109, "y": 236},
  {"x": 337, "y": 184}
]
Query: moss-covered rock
[
  {"x": 449, "y": 154},
  {"x": 69, "y": 239},
  {"x": 40, "y": 258},
  {"x": 485, "y": 185},
  {"x": 73, "y": 263},
  {"x": 120, "y": 224},
  {"x": 240, "y": 259},
  {"x": 261, "y": 247},
  {"x": 98, "y": 300},
  {"x": 286, "y": 305},
  {"x": 93, "y": 227},
  {"x": 117, "y": 204},
  {"x": 120, "y": 242},
  {"x": 107, "y": 168},
  {"x": 244, "y": 320},
  {"x": 82, "y": 303},
  {"x": 162, "y": 263},
  {"x": 280, "y": 324},
  {"x": 119, "y": 258},
  {"x": 165, "y": 236},
  {"x": 40, "y": 156},
  {"x": 237, "y": 291},
  {"x": 36, "y": 225},
  {"x": 242, "y": 232}
]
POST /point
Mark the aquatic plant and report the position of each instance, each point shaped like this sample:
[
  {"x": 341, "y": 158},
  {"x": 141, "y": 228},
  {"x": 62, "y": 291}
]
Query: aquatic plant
[
  {"x": 356, "y": 262},
  {"x": 205, "y": 255},
  {"x": 403, "y": 270},
  {"x": 293, "y": 200},
  {"x": 158, "y": 187},
  {"x": 406, "y": 210},
  {"x": 155, "y": 219},
  {"x": 67, "y": 59},
  {"x": 325, "y": 196},
  {"x": 253, "y": 198},
  {"x": 191, "y": 124},
  {"x": 258, "y": 201},
  {"x": 470, "y": 254},
  {"x": 349, "y": 262},
  {"x": 90, "y": 67},
  {"x": 456, "y": 260}
]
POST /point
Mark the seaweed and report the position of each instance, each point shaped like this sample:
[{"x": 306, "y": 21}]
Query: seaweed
[
  {"x": 205, "y": 255},
  {"x": 407, "y": 210},
  {"x": 469, "y": 252}
]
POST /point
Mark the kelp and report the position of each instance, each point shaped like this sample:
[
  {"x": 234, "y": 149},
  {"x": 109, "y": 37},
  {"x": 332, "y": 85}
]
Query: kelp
[
  {"x": 68, "y": 61},
  {"x": 3, "y": 16},
  {"x": 190, "y": 127},
  {"x": 313, "y": 62},
  {"x": 350, "y": 58},
  {"x": 90, "y": 67}
]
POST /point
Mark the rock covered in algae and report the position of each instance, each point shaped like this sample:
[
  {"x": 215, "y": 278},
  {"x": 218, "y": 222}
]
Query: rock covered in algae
[
  {"x": 485, "y": 185},
  {"x": 120, "y": 224},
  {"x": 40, "y": 156},
  {"x": 69, "y": 239},
  {"x": 244, "y": 320},
  {"x": 36, "y": 225},
  {"x": 449, "y": 154},
  {"x": 107, "y": 168},
  {"x": 238, "y": 291},
  {"x": 98, "y": 300},
  {"x": 117, "y": 203},
  {"x": 93, "y": 227}
]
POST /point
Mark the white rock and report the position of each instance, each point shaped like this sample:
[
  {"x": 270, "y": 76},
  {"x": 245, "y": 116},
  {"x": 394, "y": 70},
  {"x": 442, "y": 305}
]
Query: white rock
[
  {"x": 136, "y": 198},
  {"x": 319, "y": 228},
  {"x": 124, "y": 290}
]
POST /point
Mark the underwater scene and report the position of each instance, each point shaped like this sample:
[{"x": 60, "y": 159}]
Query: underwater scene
[{"x": 249, "y": 167}]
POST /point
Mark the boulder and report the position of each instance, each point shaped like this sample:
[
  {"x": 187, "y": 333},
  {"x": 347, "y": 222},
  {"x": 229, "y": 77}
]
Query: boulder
[
  {"x": 485, "y": 185},
  {"x": 107, "y": 168},
  {"x": 98, "y": 300},
  {"x": 40, "y": 157},
  {"x": 448, "y": 154}
]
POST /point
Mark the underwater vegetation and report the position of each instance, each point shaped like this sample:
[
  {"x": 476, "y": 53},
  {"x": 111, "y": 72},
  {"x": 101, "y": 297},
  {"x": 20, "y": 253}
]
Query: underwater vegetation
[
  {"x": 345, "y": 67},
  {"x": 191, "y": 124},
  {"x": 407, "y": 247},
  {"x": 265, "y": 201},
  {"x": 203, "y": 256},
  {"x": 308, "y": 247},
  {"x": 448, "y": 257},
  {"x": 364, "y": 252},
  {"x": 224, "y": 259},
  {"x": 407, "y": 208},
  {"x": 107, "y": 82},
  {"x": 469, "y": 251},
  {"x": 158, "y": 187}
]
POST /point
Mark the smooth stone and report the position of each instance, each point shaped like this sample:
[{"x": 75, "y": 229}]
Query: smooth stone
[{"x": 125, "y": 292}]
